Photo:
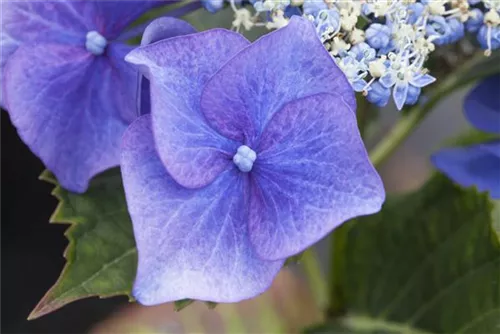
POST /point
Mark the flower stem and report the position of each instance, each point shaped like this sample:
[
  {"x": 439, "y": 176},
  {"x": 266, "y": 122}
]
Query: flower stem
[
  {"x": 362, "y": 113},
  {"x": 315, "y": 278},
  {"x": 405, "y": 126}
]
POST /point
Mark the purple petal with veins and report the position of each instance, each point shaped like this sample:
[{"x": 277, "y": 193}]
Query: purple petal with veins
[
  {"x": 246, "y": 92},
  {"x": 66, "y": 85},
  {"x": 312, "y": 174},
  {"x": 192, "y": 151},
  {"x": 192, "y": 243},
  {"x": 245, "y": 162}
]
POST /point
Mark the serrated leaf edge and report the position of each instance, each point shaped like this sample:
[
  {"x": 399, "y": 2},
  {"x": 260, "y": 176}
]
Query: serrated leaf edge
[{"x": 45, "y": 305}]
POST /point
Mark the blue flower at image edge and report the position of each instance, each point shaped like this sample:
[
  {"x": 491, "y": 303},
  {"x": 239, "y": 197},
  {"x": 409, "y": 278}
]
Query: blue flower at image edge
[
  {"x": 477, "y": 165},
  {"x": 65, "y": 83},
  {"x": 241, "y": 163}
]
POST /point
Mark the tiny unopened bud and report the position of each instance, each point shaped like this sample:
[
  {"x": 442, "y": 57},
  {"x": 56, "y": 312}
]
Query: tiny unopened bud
[
  {"x": 339, "y": 45},
  {"x": 357, "y": 36},
  {"x": 349, "y": 22},
  {"x": 492, "y": 18},
  {"x": 436, "y": 8},
  {"x": 377, "y": 68}
]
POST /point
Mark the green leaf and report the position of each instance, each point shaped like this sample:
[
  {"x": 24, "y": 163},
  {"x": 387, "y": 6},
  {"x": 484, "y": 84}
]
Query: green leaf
[
  {"x": 293, "y": 259},
  {"x": 101, "y": 256},
  {"x": 429, "y": 262},
  {"x": 182, "y": 304}
]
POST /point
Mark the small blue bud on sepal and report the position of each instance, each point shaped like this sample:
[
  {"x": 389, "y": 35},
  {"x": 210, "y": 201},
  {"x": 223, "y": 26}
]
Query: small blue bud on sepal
[{"x": 378, "y": 94}]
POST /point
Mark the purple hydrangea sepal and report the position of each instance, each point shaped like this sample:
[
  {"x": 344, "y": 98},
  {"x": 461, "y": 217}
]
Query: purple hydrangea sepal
[
  {"x": 477, "y": 165},
  {"x": 241, "y": 163},
  {"x": 161, "y": 28},
  {"x": 66, "y": 86},
  {"x": 192, "y": 243},
  {"x": 482, "y": 105}
]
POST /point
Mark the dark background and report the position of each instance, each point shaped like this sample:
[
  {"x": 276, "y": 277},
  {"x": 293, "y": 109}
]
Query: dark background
[{"x": 31, "y": 248}]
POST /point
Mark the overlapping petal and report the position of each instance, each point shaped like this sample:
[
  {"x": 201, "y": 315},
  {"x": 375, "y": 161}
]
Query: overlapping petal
[
  {"x": 280, "y": 67},
  {"x": 482, "y": 105},
  {"x": 178, "y": 68},
  {"x": 191, "y": 243},
  {"x": 161, "y": 28},
  {"x": 120, "y": 81},
  {"x": 312, "y": 173},
  {"x": 70, "y": 107},
  {"x": 476, "y": 165}
]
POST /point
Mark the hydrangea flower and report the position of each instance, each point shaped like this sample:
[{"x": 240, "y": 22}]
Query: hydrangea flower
[
  {"x": 241, "y": 163},
  {"x": 66, "y": 85},
  {"x": 477, "y": 165},
  {"x": 401, "y": 75}
]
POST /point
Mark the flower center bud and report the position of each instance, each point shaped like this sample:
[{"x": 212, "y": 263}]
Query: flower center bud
[
  {"x": 95, "y": 43},
  {"x": 244, "y": 158}
]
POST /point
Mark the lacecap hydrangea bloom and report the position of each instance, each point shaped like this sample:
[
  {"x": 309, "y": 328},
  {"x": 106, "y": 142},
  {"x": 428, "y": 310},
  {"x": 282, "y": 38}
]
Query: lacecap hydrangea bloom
[
  {"x": 381, "y": 45},
  {"x": 242, "y": 163},
  {"x": 477, "y": 165},
  {"x": 65, "y": 83}
]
